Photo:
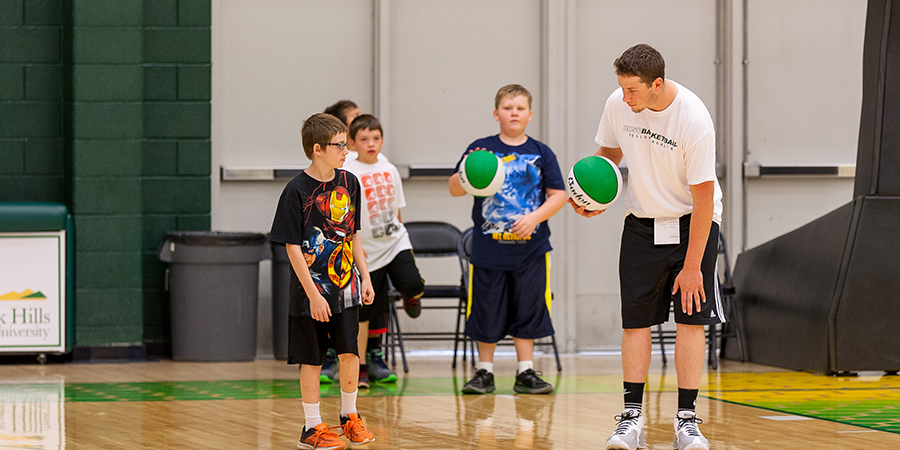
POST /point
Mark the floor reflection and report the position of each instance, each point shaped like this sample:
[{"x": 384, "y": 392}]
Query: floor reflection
[{"x": 32, "y": 414}]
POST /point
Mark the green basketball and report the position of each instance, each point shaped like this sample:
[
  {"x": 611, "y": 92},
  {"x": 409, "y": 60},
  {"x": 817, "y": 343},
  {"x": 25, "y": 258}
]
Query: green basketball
[
  {"x": 481, "y": 173},
  {"x": 594, "y": 183}
]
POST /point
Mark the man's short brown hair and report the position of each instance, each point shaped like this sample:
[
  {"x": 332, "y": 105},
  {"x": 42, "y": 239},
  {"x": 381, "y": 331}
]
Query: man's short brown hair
[
  {"x": 511, "y": 91},
  {"x": 320, "y": 129},
  {"x": 364, "y": 122},
  {"x": 641, "y": 61}
]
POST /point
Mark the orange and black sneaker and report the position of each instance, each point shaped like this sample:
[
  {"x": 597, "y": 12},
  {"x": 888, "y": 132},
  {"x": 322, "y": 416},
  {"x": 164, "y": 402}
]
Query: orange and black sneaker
[
  {"x": 355, "y": 430},
  {"x": 320, "y": 437}
]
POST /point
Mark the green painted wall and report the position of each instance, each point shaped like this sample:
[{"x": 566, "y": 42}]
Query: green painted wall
[
  {"x": 31, "y": 101},
  {"x": 105, "y": 106}
]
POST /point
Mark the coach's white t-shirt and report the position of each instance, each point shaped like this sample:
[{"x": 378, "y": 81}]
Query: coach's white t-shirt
[
  {"x": 382, "y": 234},
  {"x": 665, "y": 151}
]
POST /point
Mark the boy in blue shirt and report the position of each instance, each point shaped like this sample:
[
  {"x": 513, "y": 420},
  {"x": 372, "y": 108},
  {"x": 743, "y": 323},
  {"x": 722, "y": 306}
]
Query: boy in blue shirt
[{"x": 509, "y": 292}]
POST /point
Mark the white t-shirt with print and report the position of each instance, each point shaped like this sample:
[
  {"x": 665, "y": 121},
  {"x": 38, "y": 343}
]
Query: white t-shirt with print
[
  {"x": 666, "y": 152},
  {"x": 381, "y": 233}
]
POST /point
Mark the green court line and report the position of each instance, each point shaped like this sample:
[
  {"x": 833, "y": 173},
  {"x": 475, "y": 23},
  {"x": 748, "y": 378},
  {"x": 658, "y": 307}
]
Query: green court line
[{"x": 874, "y": 415}]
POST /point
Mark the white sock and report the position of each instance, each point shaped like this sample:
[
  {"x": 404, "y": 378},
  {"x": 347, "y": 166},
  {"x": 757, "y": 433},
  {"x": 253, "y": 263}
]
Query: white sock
[
  {"x": 311, "y": 413},
  {"x": 348, "y": 403},
  {"x": 489, "y": 366},
  {"x": 525, "y": 365}
]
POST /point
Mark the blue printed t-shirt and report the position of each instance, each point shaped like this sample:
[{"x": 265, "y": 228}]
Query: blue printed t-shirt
[
  {"x": 321, "y": 217},
  {"x": 531, "y": 168}
]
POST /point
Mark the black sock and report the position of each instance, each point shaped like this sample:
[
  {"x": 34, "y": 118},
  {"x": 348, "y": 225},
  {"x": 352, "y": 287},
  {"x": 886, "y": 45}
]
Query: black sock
[
  {"x": 634, "y": 395},
  {"x": 687, "y": 399},
  {"x": 374, "y": 343}
]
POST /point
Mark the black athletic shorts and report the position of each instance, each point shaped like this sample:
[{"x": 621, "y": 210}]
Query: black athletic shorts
[
  {"x": 308, "y": 339},
  {"x": 647, "y": 273},
  {"x": 404, "y": 275},
  {"x": 510, "y": 302}
]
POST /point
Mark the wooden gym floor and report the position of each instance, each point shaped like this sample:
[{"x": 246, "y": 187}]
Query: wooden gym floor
[{"x": 256, "y": 405}]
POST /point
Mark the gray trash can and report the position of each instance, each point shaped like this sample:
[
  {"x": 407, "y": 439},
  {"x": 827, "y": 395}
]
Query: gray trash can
[
  {"x": 281, "y": 278},
  {"x": 213, "y": 287}
]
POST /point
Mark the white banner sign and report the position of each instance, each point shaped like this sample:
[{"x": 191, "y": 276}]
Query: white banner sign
[{"x": 32, "y": 292}]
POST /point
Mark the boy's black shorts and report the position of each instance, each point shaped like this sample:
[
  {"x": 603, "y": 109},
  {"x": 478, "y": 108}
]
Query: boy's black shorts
[
  {"x": 308, "y": 339},
  {"x": 509, "y": 302},
  {"x": 404, "y": 275},
  {"x": 647, "y": 273}
]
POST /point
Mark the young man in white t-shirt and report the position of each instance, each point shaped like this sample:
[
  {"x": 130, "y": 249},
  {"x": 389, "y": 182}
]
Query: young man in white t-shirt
[
  {"x": 669, "y": 243},
  {"x": 385, "y": 241}
]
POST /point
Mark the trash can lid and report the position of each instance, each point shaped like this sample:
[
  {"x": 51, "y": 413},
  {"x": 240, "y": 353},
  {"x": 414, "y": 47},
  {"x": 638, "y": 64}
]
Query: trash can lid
[{"x": 215, "y": 238}]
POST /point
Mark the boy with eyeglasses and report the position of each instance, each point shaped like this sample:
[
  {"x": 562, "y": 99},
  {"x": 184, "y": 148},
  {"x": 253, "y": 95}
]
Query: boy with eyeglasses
[{"x": 317, "y": 219}]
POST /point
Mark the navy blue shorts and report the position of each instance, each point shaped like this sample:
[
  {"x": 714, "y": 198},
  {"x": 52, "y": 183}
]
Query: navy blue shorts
[
  {"x": 510, "y": 302},
  {"x": 309, "y": 339},
  {"x": 647, "y": 273}
]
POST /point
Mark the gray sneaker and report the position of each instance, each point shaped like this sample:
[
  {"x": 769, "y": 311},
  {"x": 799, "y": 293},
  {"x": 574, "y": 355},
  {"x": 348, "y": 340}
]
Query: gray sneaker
[
  {"x": 629, "y": 434},
  {"x": 687, "y": 435}
]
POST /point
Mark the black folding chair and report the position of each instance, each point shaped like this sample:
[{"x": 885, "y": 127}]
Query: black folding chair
[{"x": 429, "y": 240}]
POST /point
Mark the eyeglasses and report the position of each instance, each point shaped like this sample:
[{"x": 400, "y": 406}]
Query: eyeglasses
[{"x": 340, "y": 145}]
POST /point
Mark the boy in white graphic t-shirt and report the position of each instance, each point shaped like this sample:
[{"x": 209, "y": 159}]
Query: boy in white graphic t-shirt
[{"x": 385, "y": 241}]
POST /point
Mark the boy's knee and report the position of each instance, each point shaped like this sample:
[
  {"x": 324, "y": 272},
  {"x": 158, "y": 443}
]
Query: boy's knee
[{"x": 413, "y": 290}]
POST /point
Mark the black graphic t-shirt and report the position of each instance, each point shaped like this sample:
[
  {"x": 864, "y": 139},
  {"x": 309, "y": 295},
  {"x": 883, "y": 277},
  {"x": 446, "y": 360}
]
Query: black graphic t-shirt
[{"x": 321, "y": 217}]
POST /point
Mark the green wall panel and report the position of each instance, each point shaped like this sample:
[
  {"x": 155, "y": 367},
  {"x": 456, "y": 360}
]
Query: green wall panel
[
  {"x": 95, "y": 233},
  {"x": 154, "y": 271},
  {"x": 109, "y": 307},
  {"x": 30, "y": 45},
  {"x": 43, "y": 12},
  {"x": 30, "y": 119},
  {"x": 98, "y": 336},
  {"x": 12, "y": 82},
  {"x": 107, "y": 196},
  {"x": 108, "y": 12},
  {"x": 194, "y": 157},
  {"x": 121, "y": 158},
  {"x": 44, "y": 157},
  {"x": 157, "y": 313},
  {"x": 12, "y": 189},
  {"x": 107, "y": 120},
  {"x": 12, "y": 155},
  {"x": 108, "y": 270},
  {"x": 160, "y": 82},
  {"x": 194, "y": 13},
  {"x": 97, "y": 45},
  {"x": 132, "y": 97},
  {"x": 194, "y": 82},
  {"x": 198, "y": 222},
  {"x": 160, "y": 13},
  {"x": 177, "y": 45},
  {"x": 10, "y": 12},
  {"x": 177, "y": 195},
  {"x": 155, "y": 227},
  {"x": 177, "y": 120},
  {"x": 160, "y": 158},
  {"x": 44, "y": 82},
  {"x": 112, "y": 83},
  {"x": 42, "y": 188}
]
